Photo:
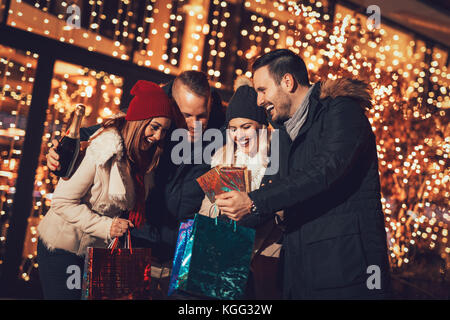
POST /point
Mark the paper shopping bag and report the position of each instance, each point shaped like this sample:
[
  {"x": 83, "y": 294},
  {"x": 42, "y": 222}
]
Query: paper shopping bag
[
  {"x": 112, "y": 273},
  {"x": 216, "y": 259}
]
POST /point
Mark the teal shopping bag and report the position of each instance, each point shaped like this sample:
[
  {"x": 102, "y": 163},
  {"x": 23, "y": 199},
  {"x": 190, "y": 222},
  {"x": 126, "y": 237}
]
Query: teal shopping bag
[{"x": 216, "y": 260}]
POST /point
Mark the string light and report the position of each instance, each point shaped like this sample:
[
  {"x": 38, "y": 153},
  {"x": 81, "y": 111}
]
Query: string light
[
  {"x": 146, "y": 32},
  {"x": 216, "y": 41}
]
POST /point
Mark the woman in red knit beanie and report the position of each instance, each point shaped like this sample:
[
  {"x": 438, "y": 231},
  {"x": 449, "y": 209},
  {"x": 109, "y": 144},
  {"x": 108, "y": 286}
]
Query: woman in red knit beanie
[{"x": 114, "y": 177}]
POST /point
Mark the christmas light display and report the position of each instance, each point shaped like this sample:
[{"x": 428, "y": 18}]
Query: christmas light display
[{"x": 409, "y": 79}]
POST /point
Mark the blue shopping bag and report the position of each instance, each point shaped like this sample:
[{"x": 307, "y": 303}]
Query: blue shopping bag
[
  {"x": 216, "y": 259},
  {"x": 183, "y": 235}
]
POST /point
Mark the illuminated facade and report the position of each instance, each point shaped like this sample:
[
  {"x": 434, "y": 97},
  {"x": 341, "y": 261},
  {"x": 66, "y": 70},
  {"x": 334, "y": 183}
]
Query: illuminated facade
[{"x": 126, "y": 40}]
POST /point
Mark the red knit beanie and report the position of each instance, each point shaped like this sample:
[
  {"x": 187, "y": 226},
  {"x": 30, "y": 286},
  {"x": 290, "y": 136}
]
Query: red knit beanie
[{"x": 149, "y": 101}]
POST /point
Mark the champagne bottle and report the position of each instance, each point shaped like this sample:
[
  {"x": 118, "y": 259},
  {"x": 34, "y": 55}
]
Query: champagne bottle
[{"x": 69, "y": 146}]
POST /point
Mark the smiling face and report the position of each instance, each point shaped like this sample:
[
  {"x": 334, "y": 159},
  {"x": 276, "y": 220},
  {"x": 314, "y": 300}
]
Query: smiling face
[
  {"x": 243, "y": 131},
  {"x": 154, "y": 132},
  {"x": 271, "y": 95},
  {"x": 194, "y": 108}
]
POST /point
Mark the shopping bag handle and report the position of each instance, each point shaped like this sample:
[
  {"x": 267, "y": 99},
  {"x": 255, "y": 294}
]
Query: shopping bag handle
[
  {"x": 216, "y": 209},
  {"x": 215, "y": 219},
  {"x": 113, "y": 244}
]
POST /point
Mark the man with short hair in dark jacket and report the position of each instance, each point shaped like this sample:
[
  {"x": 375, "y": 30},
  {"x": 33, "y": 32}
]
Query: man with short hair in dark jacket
[
  {"x": 177, "y": 195},
  {"x": 334, "y": 243}
]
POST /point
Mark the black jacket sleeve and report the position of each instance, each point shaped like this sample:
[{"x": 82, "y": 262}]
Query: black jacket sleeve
[
  {"x": 191, "y": 195},
  {"x": 346, "y": 131}
]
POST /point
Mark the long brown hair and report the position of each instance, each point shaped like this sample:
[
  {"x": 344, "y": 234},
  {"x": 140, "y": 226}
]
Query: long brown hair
[{"x": 132, "y": 132}]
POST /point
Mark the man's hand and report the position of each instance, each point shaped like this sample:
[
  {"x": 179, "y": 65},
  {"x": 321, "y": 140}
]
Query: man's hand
[
  {"x": 53, "y": 157},
  {"x": 234, "y": 204}
]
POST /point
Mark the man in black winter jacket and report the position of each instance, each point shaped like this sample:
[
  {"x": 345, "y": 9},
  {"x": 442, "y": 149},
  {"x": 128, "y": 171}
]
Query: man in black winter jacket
[
  {"x": 334, "y": 243},
  {"x": 177, "y": 195}
]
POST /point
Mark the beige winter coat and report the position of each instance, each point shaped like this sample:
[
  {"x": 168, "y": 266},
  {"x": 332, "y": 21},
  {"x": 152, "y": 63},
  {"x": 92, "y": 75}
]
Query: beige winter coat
[{"x": 84, "y": 206}]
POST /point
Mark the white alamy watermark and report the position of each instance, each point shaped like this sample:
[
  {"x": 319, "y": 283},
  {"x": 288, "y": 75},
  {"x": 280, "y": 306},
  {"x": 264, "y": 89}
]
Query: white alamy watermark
[
  {"x": 374, "y": 20},
  {"x": 194, "y": 150},
  {"x": 374, "y": 280},
  {"x": 74, "y": 278},
  {"x": 74, "y": 18}
]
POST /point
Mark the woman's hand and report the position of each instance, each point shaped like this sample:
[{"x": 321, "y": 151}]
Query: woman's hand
[
  {"x": 53, "y": 157},
  {"x": 119, "y": 227}
]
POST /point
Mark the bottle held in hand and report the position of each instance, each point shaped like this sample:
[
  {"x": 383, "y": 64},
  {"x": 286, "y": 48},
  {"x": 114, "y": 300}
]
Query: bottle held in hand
[{"x": 69, "y": 146}]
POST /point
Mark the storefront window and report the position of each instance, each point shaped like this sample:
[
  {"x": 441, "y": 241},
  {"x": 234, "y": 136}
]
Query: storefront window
[
  {"x": 17, "y": 72},
  {"x": 71, "y": 84}
]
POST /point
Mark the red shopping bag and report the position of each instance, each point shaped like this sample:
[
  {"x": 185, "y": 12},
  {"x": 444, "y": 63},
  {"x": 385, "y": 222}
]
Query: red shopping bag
[{"x": 117, "y": 273}]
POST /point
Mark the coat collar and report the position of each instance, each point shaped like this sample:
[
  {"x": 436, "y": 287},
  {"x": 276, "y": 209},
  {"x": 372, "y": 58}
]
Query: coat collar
[
  {"x": 106, "y": 145},
  {"x": 313, "y": 108}
]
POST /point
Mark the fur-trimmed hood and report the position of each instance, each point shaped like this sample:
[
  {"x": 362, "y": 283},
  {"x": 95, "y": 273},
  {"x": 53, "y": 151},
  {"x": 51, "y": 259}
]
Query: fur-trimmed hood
[
  {"x": 346, "y": 87},
  {"x": 106, "y": 145}
]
